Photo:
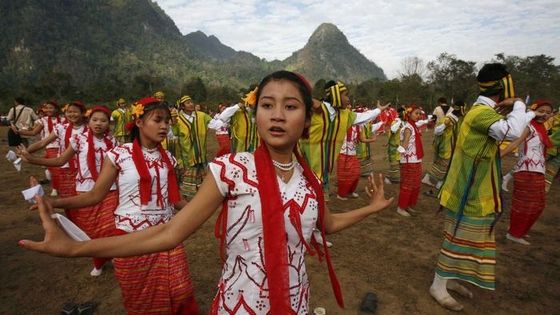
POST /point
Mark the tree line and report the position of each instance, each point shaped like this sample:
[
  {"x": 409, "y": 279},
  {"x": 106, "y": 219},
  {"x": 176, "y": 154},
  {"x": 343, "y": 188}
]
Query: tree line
[{"x": 418, "y": 82}]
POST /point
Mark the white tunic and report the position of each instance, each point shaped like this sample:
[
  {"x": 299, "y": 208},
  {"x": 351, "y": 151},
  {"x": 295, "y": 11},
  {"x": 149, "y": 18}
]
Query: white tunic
[
  {"x": 60, "y": 131},
  {"x": 45, "y": 132},
  {"x": 410, "y": 156},
  {"x": 79, "y": 143},
  {"x": 244, "y": 280},
  {"x": 531, "y": 153},
  {"x": 130, "y": 214}
]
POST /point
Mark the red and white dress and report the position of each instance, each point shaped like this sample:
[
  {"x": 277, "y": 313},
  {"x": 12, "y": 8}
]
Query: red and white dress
[
  {"x": 52, "y": 149},
  {"x": 243, "y": 286},
  {"x": 96, "y": 220},
  {"x": 528, "y": 197},
  {"x": 68, "y": 171},
  {"x": 154, "y": 283},
  {"x": 410, "y": 169}
]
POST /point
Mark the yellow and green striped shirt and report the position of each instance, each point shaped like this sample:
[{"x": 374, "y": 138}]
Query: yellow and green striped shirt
[
  {"x": 472, "y": 182},
  {"x": 191, "y": 139}
]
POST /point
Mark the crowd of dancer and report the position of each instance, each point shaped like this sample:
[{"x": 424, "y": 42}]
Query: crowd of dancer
[{"x": 142, "y": 189}]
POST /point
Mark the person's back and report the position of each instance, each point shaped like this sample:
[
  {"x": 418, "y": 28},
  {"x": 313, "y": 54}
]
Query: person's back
[{"x": 21, "y": 117}]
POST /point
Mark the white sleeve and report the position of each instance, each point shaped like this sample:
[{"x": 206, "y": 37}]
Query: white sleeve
[
  {"x": 366, "y": 116},
  {"x": 396, "y": 125},
  {"x": 439, "y": 129},
  {"x": 376, "y": 126},
  {"x": 226, "y": 115},
  {"x": 511, "y": 127},
  {"x": 215, "y": 123},
  {"x": 421, "y": 123}
]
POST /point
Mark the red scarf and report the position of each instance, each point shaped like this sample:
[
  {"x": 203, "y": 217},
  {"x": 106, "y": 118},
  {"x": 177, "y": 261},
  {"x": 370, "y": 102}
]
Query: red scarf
[
  {"x": 146, "y": 180},
  {"x": 543, "y": 134},
  {"x": 274, "y": 231},
  {"x": 91, "y": 154},
  {"x": 417, "y": 140},
  {"x": 50, "y": 123},
  {"x": 68, "y": 134}
]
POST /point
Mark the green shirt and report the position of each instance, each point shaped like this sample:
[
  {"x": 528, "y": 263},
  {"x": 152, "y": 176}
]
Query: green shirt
[{"x": 472, "y": 182}]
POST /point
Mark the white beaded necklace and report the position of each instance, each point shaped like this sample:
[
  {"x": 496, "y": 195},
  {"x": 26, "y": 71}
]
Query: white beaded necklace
[{"x": 284, "y": 166}]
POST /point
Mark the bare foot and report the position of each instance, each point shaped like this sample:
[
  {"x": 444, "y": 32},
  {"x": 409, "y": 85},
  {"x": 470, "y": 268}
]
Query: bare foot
[
  {"x": 455, "y": 286},
  {"x": 446, "y": 300}
]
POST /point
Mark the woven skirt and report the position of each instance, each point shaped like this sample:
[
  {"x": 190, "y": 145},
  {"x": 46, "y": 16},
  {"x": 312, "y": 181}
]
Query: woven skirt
[
  {"x": 528, "y": 201},
  {"x": 411, "y": 176},
  {"x": 469, "y": 253},
  {"x": 348, "y": 174},
  {"x": 158, "y": 283}
]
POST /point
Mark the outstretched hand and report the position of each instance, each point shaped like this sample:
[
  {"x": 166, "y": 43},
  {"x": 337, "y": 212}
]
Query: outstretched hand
[
  {"x": 55, "y": 242},
  {"x": 376, "y": 191},
  {"x": 22, "y": 152},
  {"x": 382, "y": 107}
]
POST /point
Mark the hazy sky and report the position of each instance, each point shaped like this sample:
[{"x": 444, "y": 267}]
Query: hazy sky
[{"x": 384, "y": 31}]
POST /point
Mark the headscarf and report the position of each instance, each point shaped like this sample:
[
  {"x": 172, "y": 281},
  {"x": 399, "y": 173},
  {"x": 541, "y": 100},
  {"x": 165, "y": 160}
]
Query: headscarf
[{"x": 333, "y": 94}]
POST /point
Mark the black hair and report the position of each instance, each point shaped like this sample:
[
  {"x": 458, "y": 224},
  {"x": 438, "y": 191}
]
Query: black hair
[
  {"x": 458, "y": 108},
  {"x": 442, "y": 100},
  {"x": 148, "y": 108},
  {"x": 19, "y": 100},
  {"x": 302, "y": 85},
  {"x": 491, "y": 72}
]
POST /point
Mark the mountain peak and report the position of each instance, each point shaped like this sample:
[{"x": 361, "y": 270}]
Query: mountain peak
[
  {"x": 209, "y": 46},
  {"x": 327, "y": 32}
]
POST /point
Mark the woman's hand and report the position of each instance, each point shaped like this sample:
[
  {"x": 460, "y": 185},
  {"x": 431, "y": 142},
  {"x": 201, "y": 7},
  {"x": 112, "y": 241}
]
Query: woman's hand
[
  {"x": 22, "y": 152},
  {"x": 55, "y": 242},
  {"x": 376, "y": 191}
]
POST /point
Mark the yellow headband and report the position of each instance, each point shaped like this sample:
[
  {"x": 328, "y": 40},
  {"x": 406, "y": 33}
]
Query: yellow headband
[{"x": 334, "y": 94}]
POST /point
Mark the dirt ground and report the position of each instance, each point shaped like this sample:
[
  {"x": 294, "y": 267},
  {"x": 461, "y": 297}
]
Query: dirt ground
[{"x": 387, "y": 254}]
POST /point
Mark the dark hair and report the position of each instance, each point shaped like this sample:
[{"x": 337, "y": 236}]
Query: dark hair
[
  {"x": 148, "y": 108},
  {"x": 19, "y": 100},
  {"x": 301, "y": 83},
  {"x": 442, "y": 100},
  {"x": 491, "y": 72}
]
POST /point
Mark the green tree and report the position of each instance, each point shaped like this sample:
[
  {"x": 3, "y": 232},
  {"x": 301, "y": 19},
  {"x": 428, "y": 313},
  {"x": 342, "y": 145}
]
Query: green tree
[{"x": 453, "y": 77}]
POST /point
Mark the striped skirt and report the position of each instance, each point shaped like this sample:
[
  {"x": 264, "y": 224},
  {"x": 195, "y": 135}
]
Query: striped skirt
[
  {"x": 411, "y": 176},
  {"x": 158, "y": 283},
  {"x": 97, "y": 221},
  {"x": 191, "y": 180},
  {"x": 439, "y": 168},
  {"x": 394, "y": 173},
  {"x": 347, "y": 173},
  {"x": 552, "y": 167},
  {"x": 470, "y": 255},
  {"x": 55, "y": 171},
  {"x": 67, "y": 182},
  {"x": 527, "y": 204},
  {"x": 224, "y": 145},
  {"x": 366, "y": 166}
]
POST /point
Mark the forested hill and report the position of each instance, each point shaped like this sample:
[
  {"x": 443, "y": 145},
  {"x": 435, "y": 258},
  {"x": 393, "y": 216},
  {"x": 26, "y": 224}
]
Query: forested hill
[
  {"x": 103, "y": 49},
  {"x": 328, "y": 54}
]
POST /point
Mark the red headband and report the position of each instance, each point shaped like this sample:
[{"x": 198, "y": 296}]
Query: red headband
[{"x": 101, "y": 108}]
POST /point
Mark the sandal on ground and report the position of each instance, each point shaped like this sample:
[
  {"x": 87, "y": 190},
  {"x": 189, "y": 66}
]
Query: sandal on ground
[
  {"x": 369, "y": 304},
  {"x": 69, "y": 308}
]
